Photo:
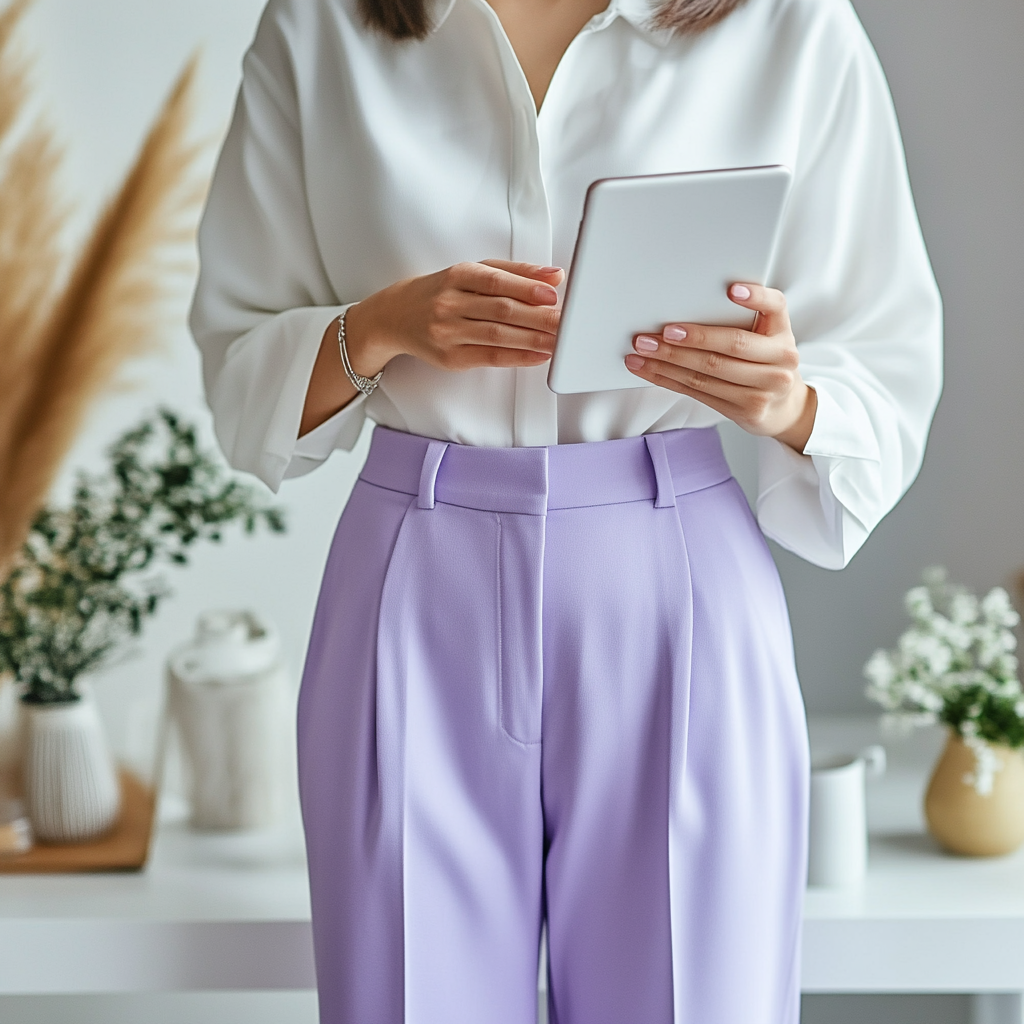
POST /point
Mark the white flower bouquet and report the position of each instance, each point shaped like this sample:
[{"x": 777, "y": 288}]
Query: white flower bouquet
[{"x": 955, "y": 665}]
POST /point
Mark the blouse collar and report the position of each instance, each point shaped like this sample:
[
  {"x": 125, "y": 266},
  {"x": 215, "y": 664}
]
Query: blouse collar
[{"x": 639, "y": 13}]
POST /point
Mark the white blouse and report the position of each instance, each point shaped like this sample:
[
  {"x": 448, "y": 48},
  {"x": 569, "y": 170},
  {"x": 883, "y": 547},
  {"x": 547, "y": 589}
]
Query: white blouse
[{"x": 354, "y": 161}]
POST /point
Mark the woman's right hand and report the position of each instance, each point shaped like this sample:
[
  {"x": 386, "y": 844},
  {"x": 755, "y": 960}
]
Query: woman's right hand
[{"x": 494, "y": 313}]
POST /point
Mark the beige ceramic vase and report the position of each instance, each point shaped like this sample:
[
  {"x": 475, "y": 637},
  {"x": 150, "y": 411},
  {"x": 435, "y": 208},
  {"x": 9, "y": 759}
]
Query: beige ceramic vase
[{"x": 963, "y": 820}]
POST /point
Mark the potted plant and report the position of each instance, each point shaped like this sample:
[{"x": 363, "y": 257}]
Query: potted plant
[
  {"x": 83, "y": 585},
  {"x": 955, "y": 665}
]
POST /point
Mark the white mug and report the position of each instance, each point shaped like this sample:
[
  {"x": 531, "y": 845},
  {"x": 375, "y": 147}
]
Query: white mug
[{"x": 838, "y": 847}]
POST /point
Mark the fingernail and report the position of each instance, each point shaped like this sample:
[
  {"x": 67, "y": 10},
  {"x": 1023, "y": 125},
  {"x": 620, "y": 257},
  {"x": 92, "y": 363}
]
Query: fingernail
[
  {"x": 739, "y": 291},
  {"x": 542, "y": 293},
  {"x": 634, "y": 362},
  {"x": 645, "y": 343},
  {"x": 673, "y": 333},
  {"x": 548, "y": 270}
]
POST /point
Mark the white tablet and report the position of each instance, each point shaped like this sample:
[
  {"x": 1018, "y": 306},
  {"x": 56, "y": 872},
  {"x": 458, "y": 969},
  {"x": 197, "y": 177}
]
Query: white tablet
[{"x": 660, "y": 249}]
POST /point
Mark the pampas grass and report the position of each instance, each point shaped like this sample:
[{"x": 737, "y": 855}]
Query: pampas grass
[
  {"x": 30, "y": 224},
  {"x": 60, "y": 347}
]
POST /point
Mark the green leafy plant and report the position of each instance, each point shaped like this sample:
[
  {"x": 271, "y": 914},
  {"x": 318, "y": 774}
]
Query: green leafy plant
[{"x": 84, "y": 582}]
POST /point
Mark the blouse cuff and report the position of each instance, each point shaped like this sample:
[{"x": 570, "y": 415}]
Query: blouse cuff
[
  {"x": 342, "y": 430},
  {"x": 263, "y": 383},
  {"x": 842, "y": 428},
  {"x": 822, "y": 504}
]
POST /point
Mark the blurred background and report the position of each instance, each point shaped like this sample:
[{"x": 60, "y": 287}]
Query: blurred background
[{"x": 958, "y": 81}]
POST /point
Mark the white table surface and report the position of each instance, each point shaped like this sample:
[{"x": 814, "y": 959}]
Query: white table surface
[
  {"x": 232, "y": 912},
  {"x": 209, "y": 912},
  {"x": 923, "y": 920}
]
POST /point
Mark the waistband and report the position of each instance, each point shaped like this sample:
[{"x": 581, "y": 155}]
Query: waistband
[{"x": 533, "y": 481}]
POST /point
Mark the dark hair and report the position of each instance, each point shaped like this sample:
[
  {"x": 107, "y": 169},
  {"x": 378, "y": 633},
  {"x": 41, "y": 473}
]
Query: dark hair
[{"x": 408, "y": 19}]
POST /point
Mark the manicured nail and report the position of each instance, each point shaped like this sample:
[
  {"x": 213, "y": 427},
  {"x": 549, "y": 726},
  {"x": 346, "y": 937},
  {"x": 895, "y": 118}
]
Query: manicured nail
[
  {"x": 544, "y": 293},
  {"x": 548, "y": 270},
  {"x": 739, "y": 291},
  {"x": 634, "y": 362},
  {"x": 673, "y": 333},
  {"x": 645, "y": 343}
]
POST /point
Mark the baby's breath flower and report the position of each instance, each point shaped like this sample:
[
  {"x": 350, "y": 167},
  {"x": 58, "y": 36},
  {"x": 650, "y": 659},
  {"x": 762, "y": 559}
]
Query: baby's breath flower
[
  {"x": 880, "y": 669},
  {"x": 954, "y": 665},
  {"x": 963, "y": 609},
  {"x": 993, "y": 642},
  {"x": 958, "y": 636},
  {"x": 937, "y": 656},
  {"x": 986, "y": 764},
  {"x": 1008, "y": 688},
  {"x": 996, "y": 608},
  {"x": 918, "y": 603}
]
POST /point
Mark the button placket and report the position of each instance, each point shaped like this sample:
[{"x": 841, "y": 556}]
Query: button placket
[{"x": 535, "y": 409}]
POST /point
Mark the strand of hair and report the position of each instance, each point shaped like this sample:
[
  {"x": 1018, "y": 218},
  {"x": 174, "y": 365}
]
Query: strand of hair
[{"x": 408, "y": 19}]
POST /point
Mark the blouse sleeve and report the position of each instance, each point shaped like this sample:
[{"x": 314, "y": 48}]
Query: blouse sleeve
[
  {"x": 263, "y": 299},
  {"x": 867, "y": 317}
]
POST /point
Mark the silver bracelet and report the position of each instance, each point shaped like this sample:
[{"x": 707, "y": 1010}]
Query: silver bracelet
[{"x": 365, "y": 384}]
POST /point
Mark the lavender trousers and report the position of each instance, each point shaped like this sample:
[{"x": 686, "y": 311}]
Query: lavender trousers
[{"x": 553, "y": 684}]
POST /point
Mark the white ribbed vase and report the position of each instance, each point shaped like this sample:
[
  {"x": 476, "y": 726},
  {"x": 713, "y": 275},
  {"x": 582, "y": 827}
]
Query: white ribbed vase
[{"x": 71, "y": 785}]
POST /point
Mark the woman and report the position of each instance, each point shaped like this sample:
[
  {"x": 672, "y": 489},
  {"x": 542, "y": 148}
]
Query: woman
[{"x": 550, "y": 679}]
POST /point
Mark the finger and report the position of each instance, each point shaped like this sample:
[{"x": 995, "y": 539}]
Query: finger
[
  {"x": 772, "y": 376},
  {"x": 648, "y": 371},
  {"x": 506, "y": 277},
  {"x": 691, "y": 382},
  {"x": 768, "y": 303},
  {"x": 488, "y": 334},
  {"x": 501, "y": 309},
  {"x": 469, "y": 356},
  {"x": 550, "y": 275},
  {"x": 729, "y": 341},
  {"x": 483, "y": 280},
  {"x": 487, "y": 280}
]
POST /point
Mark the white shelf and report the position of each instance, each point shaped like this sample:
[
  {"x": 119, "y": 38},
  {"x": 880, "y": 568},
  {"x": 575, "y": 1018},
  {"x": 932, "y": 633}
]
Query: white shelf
[
  {"x": 232, "y": 912},
  {"x": 210, "y": 912}
]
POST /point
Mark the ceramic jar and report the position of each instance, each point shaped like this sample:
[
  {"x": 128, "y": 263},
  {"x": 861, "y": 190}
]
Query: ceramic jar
[
  {"x": 837, "y": 852},
  {"x": 70, "y": 781},
  {"x": 228, "y": 696},
  {"x": 967, "y": 822}
]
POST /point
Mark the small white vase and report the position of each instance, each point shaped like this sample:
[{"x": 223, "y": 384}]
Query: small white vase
[{"x": 70, "y": 781}]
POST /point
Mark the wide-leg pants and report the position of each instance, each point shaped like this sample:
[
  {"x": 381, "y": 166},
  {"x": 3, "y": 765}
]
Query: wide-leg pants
[{"x": 553, "y": 684}]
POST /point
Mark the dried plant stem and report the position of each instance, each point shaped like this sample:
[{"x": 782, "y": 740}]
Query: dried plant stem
[
  {"x": 12, "y": 67},
  {"x": 108, "y": 311},
  {"x": 31, "y": 220}
]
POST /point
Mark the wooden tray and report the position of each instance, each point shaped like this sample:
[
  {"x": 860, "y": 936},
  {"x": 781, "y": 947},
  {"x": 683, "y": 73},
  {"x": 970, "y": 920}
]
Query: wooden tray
[{"x": 123, "y": 849}]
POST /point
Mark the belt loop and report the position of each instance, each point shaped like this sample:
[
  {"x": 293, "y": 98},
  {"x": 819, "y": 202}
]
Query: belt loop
[
  {"x": 666, "y": 497},
  {"x": 428, "y": 472}
]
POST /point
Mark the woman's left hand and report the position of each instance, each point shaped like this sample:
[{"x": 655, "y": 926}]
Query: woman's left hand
[{"x": 752, "y": 377}]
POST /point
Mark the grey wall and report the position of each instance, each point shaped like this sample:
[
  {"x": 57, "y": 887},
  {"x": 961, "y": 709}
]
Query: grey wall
[{"x": 957, "y": 76}]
